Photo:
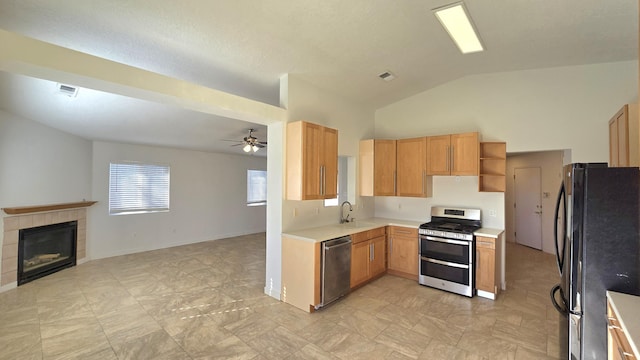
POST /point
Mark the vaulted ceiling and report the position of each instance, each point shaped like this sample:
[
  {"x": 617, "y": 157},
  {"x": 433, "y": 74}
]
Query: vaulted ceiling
[{"x": 244, "y": 46}]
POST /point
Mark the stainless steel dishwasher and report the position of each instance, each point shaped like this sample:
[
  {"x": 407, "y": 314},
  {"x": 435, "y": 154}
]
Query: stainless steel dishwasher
[{"x": 336, "y": 269}]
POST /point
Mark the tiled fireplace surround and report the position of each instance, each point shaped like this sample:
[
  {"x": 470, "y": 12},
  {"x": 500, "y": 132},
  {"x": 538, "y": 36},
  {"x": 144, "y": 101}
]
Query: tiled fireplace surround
[{"x": 12, "y": 224}]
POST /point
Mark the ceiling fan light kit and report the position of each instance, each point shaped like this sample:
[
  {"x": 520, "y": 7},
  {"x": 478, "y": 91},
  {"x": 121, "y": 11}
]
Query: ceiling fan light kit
[{"x": 250, "y": 143}]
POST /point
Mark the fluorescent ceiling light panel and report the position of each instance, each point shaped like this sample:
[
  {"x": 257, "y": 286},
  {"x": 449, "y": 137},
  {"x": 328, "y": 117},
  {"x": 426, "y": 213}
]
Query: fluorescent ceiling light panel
[{"x": 455, "y": 20}]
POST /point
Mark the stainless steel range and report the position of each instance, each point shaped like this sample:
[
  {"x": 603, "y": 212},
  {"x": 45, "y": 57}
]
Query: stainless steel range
[{"x": 447, "y": 249}]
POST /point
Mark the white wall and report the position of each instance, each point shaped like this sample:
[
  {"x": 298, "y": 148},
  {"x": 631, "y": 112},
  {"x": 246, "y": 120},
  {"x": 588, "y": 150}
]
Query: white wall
[
  {"x": 532, "y": 110},
  {"x": 550, "y": 164},
  {"x": 306, "y": 102},
  {"x": 40, "y": 165},
  {"x": 208, "y": 200},
  {"x": 354, "y": 122}
]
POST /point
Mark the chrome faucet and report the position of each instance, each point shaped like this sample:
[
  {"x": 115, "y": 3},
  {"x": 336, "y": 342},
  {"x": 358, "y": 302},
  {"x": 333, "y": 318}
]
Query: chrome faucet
[{"x": 344, "y": 219}]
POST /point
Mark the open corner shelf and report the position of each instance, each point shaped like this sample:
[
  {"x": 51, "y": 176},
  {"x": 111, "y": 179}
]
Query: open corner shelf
[{"x": 493, "y": 167}]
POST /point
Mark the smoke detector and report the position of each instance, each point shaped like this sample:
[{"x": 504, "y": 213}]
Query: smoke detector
[
  {"x": 387, "y": 76},
  {"x": 68, "y": 90}
]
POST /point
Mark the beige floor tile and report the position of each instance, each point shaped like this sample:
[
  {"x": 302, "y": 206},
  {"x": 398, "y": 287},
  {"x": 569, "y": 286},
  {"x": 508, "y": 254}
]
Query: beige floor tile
[
  {"x": 483, "y": 344},
  {"x": 438, "y": 329},
  {"x": 155, "y": 345},
  {"x": 206, "y": 301},
  {"x": 20, "y": 341},
  {"x": 277, "y": 344},
  {"x": 365, "y": 324},
  {"x": 404, "y": 341},
  {"x": 398, "y": 315},
  {"x": 311, "y": 352},
  {"x": 524, "y": 337}
]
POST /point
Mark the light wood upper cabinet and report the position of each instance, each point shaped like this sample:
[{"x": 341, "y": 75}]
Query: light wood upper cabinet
[
  {"x": 624, "y": 136},
  {"x": 377, "y": 167},
  {"x": 394, "y": 167},
  {"x": 403, "y": 251},
  {"x": 411, "y": 167},
  {"x": 455, "y": 154},
  {"x": 312, "y": 161},
  {"x": 384, "y": 167}
]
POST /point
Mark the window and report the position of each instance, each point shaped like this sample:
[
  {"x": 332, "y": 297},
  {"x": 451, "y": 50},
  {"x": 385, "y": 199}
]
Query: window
[
  {"x": 344, "y": 164},
  {"x": 138, "y": 188},
  {"x": 256, "y": 187}
]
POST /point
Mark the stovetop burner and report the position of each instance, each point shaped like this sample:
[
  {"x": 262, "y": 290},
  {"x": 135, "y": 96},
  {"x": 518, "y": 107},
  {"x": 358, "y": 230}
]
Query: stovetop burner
[{"x": 453, "y": 220}]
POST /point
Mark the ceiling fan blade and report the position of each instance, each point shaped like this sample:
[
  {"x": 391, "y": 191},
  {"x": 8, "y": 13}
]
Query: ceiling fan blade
[
  {"x": 238, "y": 141},
  {"x": 260, "y": 145}
]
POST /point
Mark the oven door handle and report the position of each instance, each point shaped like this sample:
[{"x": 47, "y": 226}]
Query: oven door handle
[
  {"x": 455, "y": 242},
  {"x": 445, "y": 263}
]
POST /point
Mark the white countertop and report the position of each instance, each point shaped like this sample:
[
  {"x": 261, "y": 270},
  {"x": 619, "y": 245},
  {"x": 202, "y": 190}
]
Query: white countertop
[
  {"x": 626, "y": 307},
  {"x": 488, "y": 232},
  {"x": 322, "y": 233}
]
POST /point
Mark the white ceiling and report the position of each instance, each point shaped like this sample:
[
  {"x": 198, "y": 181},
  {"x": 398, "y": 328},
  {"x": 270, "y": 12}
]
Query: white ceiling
[{"x": 244, "y": 46}]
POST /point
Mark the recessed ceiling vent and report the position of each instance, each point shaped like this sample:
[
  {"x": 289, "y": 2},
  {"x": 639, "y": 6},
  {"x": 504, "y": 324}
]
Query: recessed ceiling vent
[
  {"x": 387, "y": 76},
  {"x": 70, "y": 91}
]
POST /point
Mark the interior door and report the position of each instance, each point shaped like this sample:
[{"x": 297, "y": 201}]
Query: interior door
[{"x": 528, "y": 207}]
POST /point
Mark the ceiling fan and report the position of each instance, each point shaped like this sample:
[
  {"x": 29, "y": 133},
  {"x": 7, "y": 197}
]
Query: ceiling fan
[{"x": 249, "y": 143}]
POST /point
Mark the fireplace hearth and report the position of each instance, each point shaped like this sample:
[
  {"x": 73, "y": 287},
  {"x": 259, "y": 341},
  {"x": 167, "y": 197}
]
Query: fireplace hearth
[{"x": 44, "y": 250}]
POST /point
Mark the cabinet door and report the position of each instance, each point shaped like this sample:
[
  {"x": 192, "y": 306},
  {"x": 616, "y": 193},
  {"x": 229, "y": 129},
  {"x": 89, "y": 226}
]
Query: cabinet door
[
  {"x": 359, "y": 263},
  {"x": 464, "y": 154},
  {"x": 329, "y": 155},
  {"x": 377, "y": 255},
  {"x": 485, "y": 269},
  {"x": 485, "y": 265},
  {"x": 438, "y": 151},
  {"x": 384, "y": 168},
  {"x": 613, "y": 143},
  {"x": 412, "y": 167},
  {"x": 619, "y": 138},
  {"x": 312, "y": 143},
  {"x": 403, "y": 254}
]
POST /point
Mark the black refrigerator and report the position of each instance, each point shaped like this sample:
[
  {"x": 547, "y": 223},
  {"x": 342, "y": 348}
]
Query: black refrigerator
[{"x": 597, "y": 249}]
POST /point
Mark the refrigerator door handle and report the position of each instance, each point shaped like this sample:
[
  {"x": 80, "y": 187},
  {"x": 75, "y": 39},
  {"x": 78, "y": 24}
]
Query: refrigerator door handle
[
  {"x": 560, "y": 309},
  {"x": 561, "y": 196}
]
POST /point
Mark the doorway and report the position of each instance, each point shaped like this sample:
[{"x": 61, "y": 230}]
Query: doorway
[{"x": 528, "y": 207}]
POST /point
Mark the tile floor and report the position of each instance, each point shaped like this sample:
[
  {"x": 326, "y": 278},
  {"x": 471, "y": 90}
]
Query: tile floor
[{"x": 206, "y": 301}]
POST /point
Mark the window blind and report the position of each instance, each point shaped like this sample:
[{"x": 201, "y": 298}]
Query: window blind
[
  {"x": 138, "y": 188},
  {"x": 256, "y": 187}
]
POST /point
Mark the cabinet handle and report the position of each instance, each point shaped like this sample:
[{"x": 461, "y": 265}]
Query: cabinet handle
[
  {"x": 395, "y": 182},
  {"x": 452, "y": 158},
  {"x": 324, "y": 180},
  {"x": 320, "y": 181},
  {"x": 624, "y": 354},
  {"x": 424, "y": 188},
  {"x": 448, "y": 156},
  {"x": 373, "y": 251}
]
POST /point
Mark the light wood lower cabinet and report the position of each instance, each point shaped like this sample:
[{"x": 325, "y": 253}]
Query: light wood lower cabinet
[
  {"x": 367, "y": 256},
  {"x": 300, "y": 273},
  {"x": 487, "y": 271},
  {"x": 618, "y": 344},
  {"x": 403, "y": 252}
]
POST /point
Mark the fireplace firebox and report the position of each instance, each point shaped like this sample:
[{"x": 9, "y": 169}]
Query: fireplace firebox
[{"x": 44, "y": 250}]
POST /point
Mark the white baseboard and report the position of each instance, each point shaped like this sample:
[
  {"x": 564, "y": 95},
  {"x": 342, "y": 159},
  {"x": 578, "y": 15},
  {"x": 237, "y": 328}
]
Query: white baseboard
[
  {"x": 85, "y": 259},
  {"x": 9, "y": 286},
  {"x": 272, "y": 292}
]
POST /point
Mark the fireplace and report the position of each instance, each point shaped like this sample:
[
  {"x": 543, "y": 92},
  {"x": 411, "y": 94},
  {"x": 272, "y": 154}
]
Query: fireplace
[{"x": 43, "y": 250}]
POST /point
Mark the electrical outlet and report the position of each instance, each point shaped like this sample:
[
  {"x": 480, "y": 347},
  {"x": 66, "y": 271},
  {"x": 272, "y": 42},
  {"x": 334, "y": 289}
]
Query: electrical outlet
[
  {"x": 295, "y": 212},
  {"x": 317, "y": 211},
  {"x": 492, "y": 213},
  {"x": 399, "y": 206}
]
